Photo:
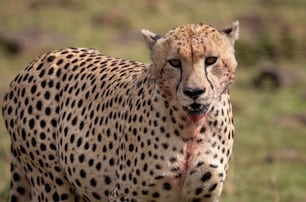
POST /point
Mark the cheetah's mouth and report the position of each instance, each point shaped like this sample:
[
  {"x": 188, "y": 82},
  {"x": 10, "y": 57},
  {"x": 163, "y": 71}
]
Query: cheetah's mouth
[{"x": 196, "y": 109}]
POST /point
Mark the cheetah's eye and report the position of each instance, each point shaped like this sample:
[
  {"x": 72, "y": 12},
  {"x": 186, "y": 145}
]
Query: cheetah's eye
[
  {"x": 175, "y": 63},
  {"x": 210, "y": 60}
]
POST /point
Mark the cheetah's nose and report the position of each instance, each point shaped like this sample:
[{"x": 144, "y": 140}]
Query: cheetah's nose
[{"x": 194, "y": 93}]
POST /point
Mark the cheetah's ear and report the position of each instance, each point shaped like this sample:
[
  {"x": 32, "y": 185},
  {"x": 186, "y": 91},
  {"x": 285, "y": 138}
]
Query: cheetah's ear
[
  {"x": 150, "y": 38},
  {"x": 232, "y": 32}
]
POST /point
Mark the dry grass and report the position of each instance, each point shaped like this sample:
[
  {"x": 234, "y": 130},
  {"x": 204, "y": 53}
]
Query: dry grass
[{"x": 269, "y": 155}]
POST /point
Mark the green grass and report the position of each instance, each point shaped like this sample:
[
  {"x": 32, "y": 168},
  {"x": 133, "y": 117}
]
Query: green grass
[{"x": 269, "y": 161}]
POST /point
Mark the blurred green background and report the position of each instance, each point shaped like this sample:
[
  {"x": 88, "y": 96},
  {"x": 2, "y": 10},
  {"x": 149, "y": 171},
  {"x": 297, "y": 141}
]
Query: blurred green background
[{"x": 269, "y": 94}]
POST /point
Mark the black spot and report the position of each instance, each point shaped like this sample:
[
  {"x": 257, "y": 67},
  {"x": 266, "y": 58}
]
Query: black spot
[
  {"x": 71, "y": 158},
  {"x": 60, "y": 61},
  {"x": 33, "y": 89},
  {"x": 51, "y": 58},
  {"x": 99, "y": 137},
  {"x": 80, "y": 103},
  {"x": 31, "y": 123},
  {"x": 91, "y": 162},
  {"x": 200, "y": 163},
  {"x": 43, "y": 84},
  {"x": 93, "y": 182},
  {"x": 98, "y": 166},
  {"x": 206, "y": 177},
  {"x": 14, "y": 198},
  {"x": 59, "y": 181},
  {"x": 123, "y": 177},
  {"x": 42, "y": 124},
  {"x": 51, "y": 70},
  {"x": 71, "y": 139},
  {"x": 22, "y": 149},
  {"x": 166, "y": 186},
  {"x": 95, "y": 195},
  {"x": 74, "y": 121},
  {"x": 111, "y": 162},
  {"x": 81, "y": 126},
  {"x": 107, "y": 180},
  {"x": 23, "y": 134},
  {"x": 51, "y": 157},
  {"x": 159, "y": 177},
  {"x": 53, "y": 147},
  {"x": 81, "y": 158},
  {"x": 144, "y": 192},
  {"x": 16, "y": 177},
  {"x": 47, "y": 95},
  {"x": 155, "y": 195},
  {"x": 9, "y": 110},
  {"x": 172, "y": 159},
  {"x": 213, "y": 166},
  {"x": 198, "y": 190},
  {"x": 131, "y": 147},
  {"x": 55, "y": 197},
  {"x": 82, "y": 173},
  {"x": 53, "y": 122},
  {"x": 21, "y": 190},
  {"x": 79, "y": 142},
  {"x": 69, "y": 56},
  {"x": 42, "y": 135},
  {"x": 42, "y": 73},
  {"x": 212, "y": 187},
  {"x": 33, "y": 142},
  {"x": 47, "y": 188},
  {"x": 50, "y": 84},
  {"x": 64, "y": 196},
  {"x": 43, "y": 147},
  {"x": 30, "y": 110}
]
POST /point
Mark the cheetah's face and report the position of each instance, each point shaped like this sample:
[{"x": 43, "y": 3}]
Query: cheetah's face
[{"x": 194, "y": 64}]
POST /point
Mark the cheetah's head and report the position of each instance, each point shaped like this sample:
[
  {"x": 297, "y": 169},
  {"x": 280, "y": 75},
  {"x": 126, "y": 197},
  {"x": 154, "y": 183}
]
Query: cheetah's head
[{"x": 194, "y": 64}]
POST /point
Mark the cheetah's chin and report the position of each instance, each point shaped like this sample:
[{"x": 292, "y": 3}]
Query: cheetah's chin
[{"x": 196, "y": 111}]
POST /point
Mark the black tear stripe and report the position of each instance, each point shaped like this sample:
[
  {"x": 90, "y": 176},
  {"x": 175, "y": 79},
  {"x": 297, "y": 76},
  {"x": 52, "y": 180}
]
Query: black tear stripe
[
  {"x": 181, "y": 76},
  {"x": 191, "y": 49},
  {"x": 162, "y": 71},
  {"x": 178, "y": 83},
  {"x": 210, "y": 83}
]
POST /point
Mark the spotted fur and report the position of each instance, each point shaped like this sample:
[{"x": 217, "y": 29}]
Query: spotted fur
[{"x": 89, "y": 127}]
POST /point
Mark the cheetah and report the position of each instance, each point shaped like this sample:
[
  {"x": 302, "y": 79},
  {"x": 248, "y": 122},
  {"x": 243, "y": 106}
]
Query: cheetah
[{"x": 90, "y": 127}]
